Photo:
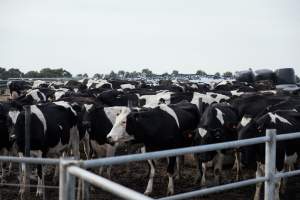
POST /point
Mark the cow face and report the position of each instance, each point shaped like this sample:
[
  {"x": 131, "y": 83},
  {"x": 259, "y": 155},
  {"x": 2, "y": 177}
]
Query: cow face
[
  {"x": 254, "y": 128},
  {"x": 11, "y": 122},
  {"x": 87, "y": 109},
  {"x": 118, "y": 133}
]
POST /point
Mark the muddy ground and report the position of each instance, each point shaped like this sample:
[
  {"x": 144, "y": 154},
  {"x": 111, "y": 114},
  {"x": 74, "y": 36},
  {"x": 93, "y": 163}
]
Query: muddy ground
[{"x": 136, "y": 179}]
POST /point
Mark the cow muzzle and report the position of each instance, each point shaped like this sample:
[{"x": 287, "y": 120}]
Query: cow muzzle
[{"x": 110, "y": 140}]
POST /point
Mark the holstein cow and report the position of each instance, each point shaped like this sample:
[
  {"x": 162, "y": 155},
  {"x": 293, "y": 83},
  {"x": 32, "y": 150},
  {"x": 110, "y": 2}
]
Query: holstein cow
[
  {"x": 98, "y": 121},
  {"x": 284, "y": 121},
  {"x": 163, "y": 127},
  {"x": 53, "y": 129},
  {"x": 218, "y": 124},
  {"x": 5, "y": 143},
  {"x": 16, "y": 88}
]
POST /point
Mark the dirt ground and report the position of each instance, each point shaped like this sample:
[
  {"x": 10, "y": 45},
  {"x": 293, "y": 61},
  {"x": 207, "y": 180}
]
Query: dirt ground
[{"x": 136, "y": 179}]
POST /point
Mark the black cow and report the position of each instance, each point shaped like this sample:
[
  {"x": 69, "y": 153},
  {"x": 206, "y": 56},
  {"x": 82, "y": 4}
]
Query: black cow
[
  {"x": 5, "y": 143},
  {"x": 284, "y": 121},
  {"x": 98, "y": 121},
  {"x": 117, "y": 98},
  {"x": 16, "y": 88},
  {"x": 218, "y": 124},
  {"x": 164, "y": 127},
  {"x": 53, "y": 129}
]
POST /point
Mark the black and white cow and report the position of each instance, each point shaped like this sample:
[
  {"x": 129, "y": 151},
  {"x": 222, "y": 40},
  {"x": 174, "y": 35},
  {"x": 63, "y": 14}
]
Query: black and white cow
[
  {"x": 5, "y": 143},
  {"x": 163, "y": 127},
  {"x": 117, "y": 98},
  {"x": 16, "y": 88},
  {"x": 53, "y": 130},
  {"x": 284, "y": 121},
  {"x": 218, "y": 124},
  {"x": 98, "y": 121}
]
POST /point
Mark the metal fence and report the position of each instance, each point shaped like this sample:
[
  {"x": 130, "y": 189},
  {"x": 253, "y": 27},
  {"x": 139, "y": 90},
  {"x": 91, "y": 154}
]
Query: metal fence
[{"x": 72, "y": 169}]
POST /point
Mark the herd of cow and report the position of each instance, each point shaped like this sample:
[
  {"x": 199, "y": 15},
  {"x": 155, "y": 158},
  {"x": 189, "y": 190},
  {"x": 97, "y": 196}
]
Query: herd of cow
[{"x": 101, "y": 115}]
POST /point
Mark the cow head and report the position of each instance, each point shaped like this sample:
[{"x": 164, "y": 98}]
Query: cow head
[
  {"x": 253, "y": 128},
  {"x": 119, "y": 133}
]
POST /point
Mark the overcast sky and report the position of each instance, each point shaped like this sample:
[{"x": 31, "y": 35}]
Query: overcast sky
[{"x": 97, "y": 36}]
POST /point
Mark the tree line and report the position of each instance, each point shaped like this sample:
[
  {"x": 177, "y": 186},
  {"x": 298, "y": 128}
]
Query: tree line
[
  {"x": 62, "y": 73},
  {"x": 43, "y": 73},
  {"x": 148, "y": 73}
]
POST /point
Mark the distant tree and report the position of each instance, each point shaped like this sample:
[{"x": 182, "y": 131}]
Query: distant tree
[
  {"x": 2, "y": 73},
  {"x": 54, "y": 73},
  {"x": 32, "y": 74},
  {"x": 97, "y": 76},
  {"x": 147, "y": 72},
  {"x": 134, "y": 74},
  {"x": 175, "y": 72},
  {"x": 201, "y": 73},
  {"x": 126, "y": 75},
  {"x": 217, "y": 74},
  {"x": 121, "y": 73},
  {"x": 227, "y": 74},
  {"x": 165, "y": 74},
  {"x": 13, "y": 73},
  {"x": 112, "y": 75},
  {"x": 85, "y": 75}
]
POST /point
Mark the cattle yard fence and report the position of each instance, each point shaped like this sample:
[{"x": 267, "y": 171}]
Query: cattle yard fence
[{"x": 72, "y": 169}]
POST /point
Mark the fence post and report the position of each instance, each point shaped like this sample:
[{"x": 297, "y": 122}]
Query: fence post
[
  {"x": 27, "y": 109},
  {"x": 270, "y": 164},
  {"x": 62, "y": 179},
  {"x": 66, "y": 180},
  {"x": 70, "y": 186}
]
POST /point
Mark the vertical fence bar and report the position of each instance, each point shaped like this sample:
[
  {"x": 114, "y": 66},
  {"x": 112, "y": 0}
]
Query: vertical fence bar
[
  {"x": 62, "y": 180},
  {"x": 27, "y": 148},
  {"x": 66, "y": 180},
  {"x": 270, "y": 164},
  {"x": 70, "y": 186}
]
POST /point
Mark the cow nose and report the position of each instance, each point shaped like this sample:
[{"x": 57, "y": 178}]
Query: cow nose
[{"x": 110, "y": 140}]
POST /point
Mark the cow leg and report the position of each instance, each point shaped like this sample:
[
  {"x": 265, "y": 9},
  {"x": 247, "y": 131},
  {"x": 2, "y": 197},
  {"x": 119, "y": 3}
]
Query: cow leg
[
  {"x": 151, "y": 164},
  {"x": 277, "y": 188},
  {"x": 86, "y": 145},
  {"x": 22, "y": 177},
  {"x": 149, "y": 188},
  {"x": 289, "y": 162},
  {"x": 204, "y": 169},
  {"x": 110, "y": 151},
  {"x": 3, "y": 152},
  {"x": 218, "y": 166},
  {"x": 179, "y": 164},
  {"x": 74, "y": 136},
  {"x": 199, "y": 168},
  {"x": 170, "y": 171},
  {"x": 40, "y": 173},
  {"x": 259, "y": 173},
  {"x": 237, "y": 165}
]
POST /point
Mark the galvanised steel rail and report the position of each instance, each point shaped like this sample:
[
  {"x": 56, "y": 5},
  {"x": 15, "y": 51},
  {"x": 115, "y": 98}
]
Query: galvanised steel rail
[
  {"x": 30, "y": 160},
  {"x": 106, "y": 184},
  {"x": 169, "y": 153},
  {"x": 70, "y": 169},
  {"x": 270, "y": 171}
]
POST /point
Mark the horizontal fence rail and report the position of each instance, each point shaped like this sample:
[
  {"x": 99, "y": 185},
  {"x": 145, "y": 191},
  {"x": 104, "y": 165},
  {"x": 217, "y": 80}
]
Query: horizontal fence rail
[
  {"x": 106, "y": 184},
  {"x": 70, "y": 169},
  {"x": 169, "y": 153},
  {"x": 30, "y": 160}
]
